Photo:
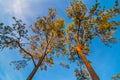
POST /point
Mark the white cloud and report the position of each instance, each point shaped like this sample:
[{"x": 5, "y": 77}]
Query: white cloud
[
  {"x": 16, "y": 8},
  {"x": 22, "y": 9}
]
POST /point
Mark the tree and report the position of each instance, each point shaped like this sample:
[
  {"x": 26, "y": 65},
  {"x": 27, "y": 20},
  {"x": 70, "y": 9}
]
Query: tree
[
  {"x": 48, "y": 37},
  {"x": 88, "y": 24},
  {"x": 45, "y": 42}
]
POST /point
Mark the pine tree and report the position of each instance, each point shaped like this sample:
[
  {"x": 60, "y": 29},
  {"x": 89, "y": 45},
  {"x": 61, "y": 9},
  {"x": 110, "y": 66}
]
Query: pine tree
[
  {"x": 88, "y": 24},
  {"x": 39, "y": 47}
]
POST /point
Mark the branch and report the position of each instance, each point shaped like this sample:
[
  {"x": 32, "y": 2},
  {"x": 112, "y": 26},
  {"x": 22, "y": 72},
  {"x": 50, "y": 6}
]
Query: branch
[
  {"x": 48, "y": 43},
  {"x": 84, "y": 34},
  {"x": 77, "y": 42},
  {"x": 26, "y": 52}
]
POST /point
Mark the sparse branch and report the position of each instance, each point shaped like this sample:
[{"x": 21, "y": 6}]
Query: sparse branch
[
  {"x": 26, "y": 52},
  {"x": 39, "y": 34},
  {"x": 77, "y": 42},
  {"x": 49, "y": 43},
  {"x": 46, "y": 39},
  {"x": 39, "y": 62},
  {"x": 84, "y": 36}
]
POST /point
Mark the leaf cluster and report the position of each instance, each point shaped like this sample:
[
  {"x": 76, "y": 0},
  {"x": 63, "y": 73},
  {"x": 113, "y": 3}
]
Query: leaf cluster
[{"x": 10, "y": 35}]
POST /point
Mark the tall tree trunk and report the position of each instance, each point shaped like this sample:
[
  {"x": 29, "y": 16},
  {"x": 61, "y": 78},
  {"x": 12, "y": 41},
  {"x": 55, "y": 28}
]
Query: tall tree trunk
[
  {"x": 87, "y": 64},
  {"x": 36, "y": 68}
]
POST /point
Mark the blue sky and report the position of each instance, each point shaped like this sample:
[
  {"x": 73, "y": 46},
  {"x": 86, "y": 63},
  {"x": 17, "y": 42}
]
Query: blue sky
[{"x": 105, "y": 60}]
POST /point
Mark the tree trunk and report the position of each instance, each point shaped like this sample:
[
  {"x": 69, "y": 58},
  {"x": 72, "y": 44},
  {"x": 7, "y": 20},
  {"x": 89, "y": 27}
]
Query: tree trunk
[
  {"x": 87, "y": 64},
  {"x": 36, "y": 68}
]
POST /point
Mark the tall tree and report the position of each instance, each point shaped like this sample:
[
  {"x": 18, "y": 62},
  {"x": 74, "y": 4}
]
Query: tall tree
[
  {"x": 47, "y": 41},
  {"x": 40, "y": 47},
  {"x": 87, "y": 24}
]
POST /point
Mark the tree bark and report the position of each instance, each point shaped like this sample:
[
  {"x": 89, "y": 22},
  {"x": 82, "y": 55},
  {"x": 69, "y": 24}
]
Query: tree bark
[
  {"x": 93, "y": 74},
  {"x": 36, "y": 68}
]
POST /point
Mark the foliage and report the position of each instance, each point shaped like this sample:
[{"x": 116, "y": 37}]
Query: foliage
[
  {"x": 97, "y": 23},
  {"x": 19, "y": 64},
  {"x": 81, "y": 72},
  {"x": 12, "y": 38},
  {"x": 48, "y": 36},
  {"x": 9, "y": 36},
  {"x": 88, "y": 24},
  {"x": 116, "y": 77}
]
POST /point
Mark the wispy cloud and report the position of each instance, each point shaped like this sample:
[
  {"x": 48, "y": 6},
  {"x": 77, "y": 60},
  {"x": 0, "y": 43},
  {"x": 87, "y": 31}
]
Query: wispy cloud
[
  {"x": 18, "y": 8},
  {"x": 22, "y": 9}
]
